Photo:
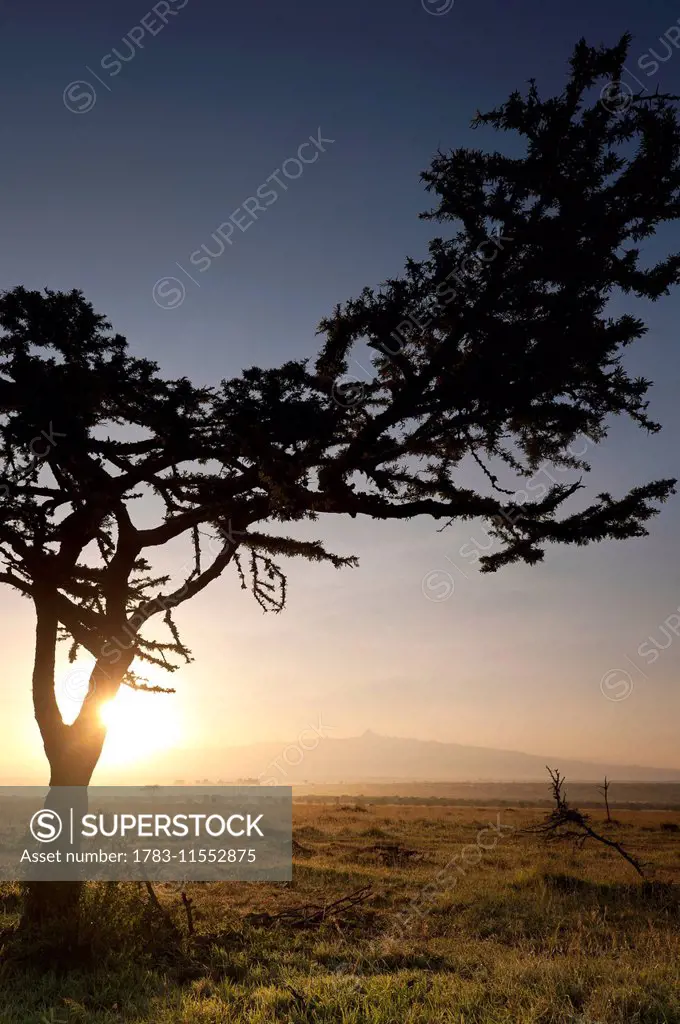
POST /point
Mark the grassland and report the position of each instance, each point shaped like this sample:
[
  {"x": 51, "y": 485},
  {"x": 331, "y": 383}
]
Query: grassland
[{"x": 454, "y": 922}]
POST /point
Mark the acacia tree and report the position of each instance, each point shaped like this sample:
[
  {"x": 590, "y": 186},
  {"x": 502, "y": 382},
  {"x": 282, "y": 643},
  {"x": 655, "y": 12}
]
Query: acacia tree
[{"x": 491, "y": 356}]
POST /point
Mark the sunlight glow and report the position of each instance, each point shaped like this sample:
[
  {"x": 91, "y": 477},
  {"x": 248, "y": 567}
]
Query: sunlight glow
[{"x": 139, "y": 724}]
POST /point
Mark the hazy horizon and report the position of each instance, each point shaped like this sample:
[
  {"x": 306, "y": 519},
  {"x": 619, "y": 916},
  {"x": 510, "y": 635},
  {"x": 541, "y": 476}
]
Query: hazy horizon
[{"x": 319, "y": 755}]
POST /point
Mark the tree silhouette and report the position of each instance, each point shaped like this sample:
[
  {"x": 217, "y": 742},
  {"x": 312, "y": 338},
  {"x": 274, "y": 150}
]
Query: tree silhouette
[
  {"x": 497, "y": 349},
  {"x": 491, "y": 356},
  {"x": 604, "y": 789}
]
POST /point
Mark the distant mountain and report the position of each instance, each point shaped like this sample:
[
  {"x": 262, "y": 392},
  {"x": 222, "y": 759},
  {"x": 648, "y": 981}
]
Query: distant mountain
[{"x": 386, "y": 759}]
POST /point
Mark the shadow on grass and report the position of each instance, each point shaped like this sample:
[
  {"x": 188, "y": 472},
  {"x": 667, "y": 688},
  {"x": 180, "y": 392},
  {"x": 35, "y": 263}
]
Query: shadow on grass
[
  {"x": 388, "y": 963},
  {"x": 115, "y": 970},
  {"x": 662, "y": 895},
  {"x": 117, "y": 990}
]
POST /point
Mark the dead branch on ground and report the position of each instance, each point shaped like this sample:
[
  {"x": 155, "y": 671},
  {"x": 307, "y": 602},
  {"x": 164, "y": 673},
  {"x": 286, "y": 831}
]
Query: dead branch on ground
[{"x": 567, "y": 824}]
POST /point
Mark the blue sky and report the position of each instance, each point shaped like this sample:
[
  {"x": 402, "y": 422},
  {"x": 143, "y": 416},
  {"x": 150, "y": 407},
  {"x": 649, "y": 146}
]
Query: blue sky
[{"x": 110, "y": 199}]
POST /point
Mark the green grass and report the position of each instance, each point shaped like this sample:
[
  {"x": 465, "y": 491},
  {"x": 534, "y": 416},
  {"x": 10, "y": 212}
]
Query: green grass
[{"x": 522, "y": 934}]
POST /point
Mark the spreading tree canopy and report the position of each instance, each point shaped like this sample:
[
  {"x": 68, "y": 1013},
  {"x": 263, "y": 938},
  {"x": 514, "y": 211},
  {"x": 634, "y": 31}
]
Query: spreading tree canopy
[{"x": 496, "y": 352}]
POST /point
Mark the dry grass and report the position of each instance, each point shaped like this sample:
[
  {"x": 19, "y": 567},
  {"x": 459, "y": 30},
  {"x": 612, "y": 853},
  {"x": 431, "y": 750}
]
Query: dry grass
[{"x": 517, "y": 933}]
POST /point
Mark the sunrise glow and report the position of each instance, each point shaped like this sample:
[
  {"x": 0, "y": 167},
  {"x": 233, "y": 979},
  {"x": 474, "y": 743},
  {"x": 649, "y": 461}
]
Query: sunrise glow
[{"x": 139, "y": 724}]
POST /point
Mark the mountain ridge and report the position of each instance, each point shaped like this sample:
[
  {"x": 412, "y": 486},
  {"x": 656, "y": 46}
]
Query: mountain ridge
[{"x": 372, "y": 756}]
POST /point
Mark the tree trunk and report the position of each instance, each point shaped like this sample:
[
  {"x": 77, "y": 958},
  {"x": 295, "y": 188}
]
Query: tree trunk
[
  {"x": 51, "y": 909},
  {"x": 51, "y": 912},
  {"x": 51, "y": 915}
]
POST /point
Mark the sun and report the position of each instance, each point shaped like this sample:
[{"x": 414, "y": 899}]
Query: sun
[{"x": 139, "y": 724}]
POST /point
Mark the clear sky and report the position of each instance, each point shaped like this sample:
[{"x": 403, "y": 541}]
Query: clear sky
[{"x": 111, "y": 194}]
